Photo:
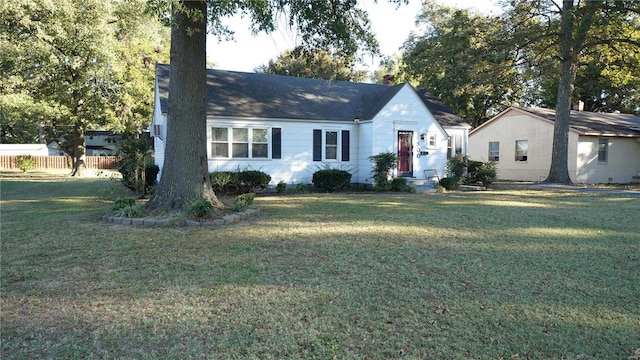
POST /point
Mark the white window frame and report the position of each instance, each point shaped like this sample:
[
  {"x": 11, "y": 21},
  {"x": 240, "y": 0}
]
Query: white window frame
[{"x": 249, "y": 142}]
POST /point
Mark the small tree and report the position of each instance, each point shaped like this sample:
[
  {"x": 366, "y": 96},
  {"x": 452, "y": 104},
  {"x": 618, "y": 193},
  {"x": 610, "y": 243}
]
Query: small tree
[
  {"x": 133, "y": 163},
  {"x": 25, "y": 162},
  {"x": 383, "y": 163}
]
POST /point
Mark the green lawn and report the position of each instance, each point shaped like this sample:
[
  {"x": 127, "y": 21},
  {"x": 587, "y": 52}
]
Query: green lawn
[{"x": 485, "y": 275}]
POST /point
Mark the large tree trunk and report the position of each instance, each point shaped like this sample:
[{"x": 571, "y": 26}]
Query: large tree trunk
[
  {"x": 185, "y": 174},
  {"x": 79, "y": 153},
  {"x": 559, "y": 171}
]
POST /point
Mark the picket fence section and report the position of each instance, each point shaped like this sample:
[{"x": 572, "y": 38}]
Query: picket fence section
[{"x": 61, "y": 162}]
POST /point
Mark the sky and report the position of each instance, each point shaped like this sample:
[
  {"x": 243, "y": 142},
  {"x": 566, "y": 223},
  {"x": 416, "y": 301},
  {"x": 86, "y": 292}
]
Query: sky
[{"x": 392, "y": 26}]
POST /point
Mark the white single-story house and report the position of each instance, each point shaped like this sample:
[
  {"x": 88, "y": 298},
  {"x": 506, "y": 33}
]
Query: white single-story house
[
  {"x": 603, "y": 147},
  {"x": 24, "y": 149},
  {"x": 290, "y": 127}
]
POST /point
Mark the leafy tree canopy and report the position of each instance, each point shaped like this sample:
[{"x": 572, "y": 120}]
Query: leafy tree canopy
[{"x": 316, "y": 64}]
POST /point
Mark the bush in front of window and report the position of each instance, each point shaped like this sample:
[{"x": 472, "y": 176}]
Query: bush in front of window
[
  {"x": 253, "y": 181},
  {"x": 479, "y": 172},
  {"x": 239, "y": 182},
  {"x": 331, "y": 180}
]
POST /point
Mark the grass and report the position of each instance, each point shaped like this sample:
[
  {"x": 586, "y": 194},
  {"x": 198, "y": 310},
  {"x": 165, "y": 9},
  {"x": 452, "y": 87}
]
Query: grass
[{"x": 486, "y": 275}]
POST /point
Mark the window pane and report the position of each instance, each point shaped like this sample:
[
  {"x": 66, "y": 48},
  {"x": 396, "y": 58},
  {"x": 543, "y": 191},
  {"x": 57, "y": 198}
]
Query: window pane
[
  {"x": 219, "y": 134},
  {"x": 494, "y": 151},
  {"x": 521, "y": 150},
  {"x": 603, "y": 148},
  {"x": 259, "y": 135},
  {"x": 331, "y": 145},
  {"x": 219, "y": 150},
  {"x": 240, "y": 135},
  {"x": 332, "y": 153},
  {"x": 259, "y": 150},
  {"x": 331, "y": 138},
  {"x": 240, "y": 150}
]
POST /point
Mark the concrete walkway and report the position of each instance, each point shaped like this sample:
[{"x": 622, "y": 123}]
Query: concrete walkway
[{"x": 561, "y": 187}]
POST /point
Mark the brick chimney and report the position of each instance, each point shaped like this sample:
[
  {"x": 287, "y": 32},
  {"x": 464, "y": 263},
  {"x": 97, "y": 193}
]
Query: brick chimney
[{"x": 388, "y": 79}]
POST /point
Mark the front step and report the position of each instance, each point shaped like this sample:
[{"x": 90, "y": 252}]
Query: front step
[{"x": 422, "y": 185}]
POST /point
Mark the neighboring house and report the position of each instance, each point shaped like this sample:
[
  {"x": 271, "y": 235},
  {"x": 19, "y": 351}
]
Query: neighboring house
[
  {"x": 603, "y": 147},
  {"x": 97, "y": 142},
  {"x": 290, "y": 127},
  {"x": 101, "y": 142},
  {"x": 23, "y": 149}
]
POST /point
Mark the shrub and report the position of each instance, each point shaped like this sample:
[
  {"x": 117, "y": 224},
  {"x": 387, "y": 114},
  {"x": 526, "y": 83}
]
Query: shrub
[
  {"x": 131, "y": 211},
  {"x": 137, "y": 173},
  {"x": 242, "y": 202},
  {"x": 239, "y": 182},
  {"x": 123, "y": 202},
  {"x": 253, "y": 180},
  {"x": 224, "y": 182},
  {"x": 281, "y": 187},
  {"x": 302, "y": 187},
  {"x": 399, "y": 184},
  {"x": 481, "y": 173},
  {"x": 457, "y": 170},
  {"x": 331, "y": 180},
  {"x": 382, "y": 165},
  {"x": 25, "y": 162},
  {"x": 448, "y": 183},
  {"x": 200, "y": 208}
]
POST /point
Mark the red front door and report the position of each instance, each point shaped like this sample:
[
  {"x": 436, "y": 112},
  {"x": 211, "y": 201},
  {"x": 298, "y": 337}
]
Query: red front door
[{"x": 405, "y": 153}]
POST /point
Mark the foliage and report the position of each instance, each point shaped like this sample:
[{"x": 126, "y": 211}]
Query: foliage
[
  {"x": 123, "y": 202},
  {"x": 479, "y": 64},
  {"x": 281, "y": 187},
  {"x": 461, "y": 170},
  {"x": 62, "y": 70},
  {"x": 314, "y": 64},
  {"x": 462, "y": 60},
  {"x": 239, "y": 182},
  {"x": 200, "y": 208},
  {"x": 479, "y": 172},
  {"x": 457, "y": 169},
  {"x": 137, "y": 173},
  {"x": 331, "y": 180},
  {"x": 399, "y": 184},
  {"x": 383, "y": 163},
  {"x": 301, "y": 187},
  {"x": 243, "y": 201},
  {"x": 25, "y": 162},
  {"x": 448, "y": 183}
]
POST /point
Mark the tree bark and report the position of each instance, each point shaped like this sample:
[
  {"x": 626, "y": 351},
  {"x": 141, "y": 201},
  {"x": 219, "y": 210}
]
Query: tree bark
[
  {"x": 79, "y": 152},
  {"x": 559, "y": 170},
  {"x": 185, "y": 174}
]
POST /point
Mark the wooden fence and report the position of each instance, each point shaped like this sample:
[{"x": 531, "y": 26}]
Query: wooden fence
[{"x": 61, "y": 162}]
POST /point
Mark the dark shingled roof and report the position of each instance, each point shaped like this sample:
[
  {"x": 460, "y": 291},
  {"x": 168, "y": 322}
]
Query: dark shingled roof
[
  {"x": 255, "y": 95},
  {"x": 596, "y": 124}
]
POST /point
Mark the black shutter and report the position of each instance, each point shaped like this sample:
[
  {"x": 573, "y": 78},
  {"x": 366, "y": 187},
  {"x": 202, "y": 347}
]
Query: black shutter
[
  {"x": 317, "y": 145},
  {"x": 276, "y": 143},
  {"x": 345, "y": 145}
]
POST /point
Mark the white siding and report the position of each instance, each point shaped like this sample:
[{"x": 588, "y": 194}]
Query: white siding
[
  {"x": 406, "y": 112},
  {"x": 296, "y": 165}
]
